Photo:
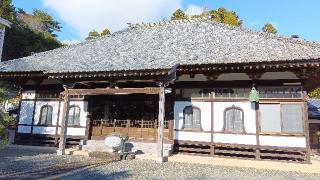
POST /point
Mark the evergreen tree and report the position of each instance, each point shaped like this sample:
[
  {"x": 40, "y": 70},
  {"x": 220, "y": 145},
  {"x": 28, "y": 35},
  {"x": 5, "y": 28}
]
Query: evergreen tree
[
  {"x": 269, "y": 28},
  {"x": 105, "y": 32},
  {"x": 221, "y": 15},
  {"x": 92, "y": 35},
  {"x": 178, "y": 15}
]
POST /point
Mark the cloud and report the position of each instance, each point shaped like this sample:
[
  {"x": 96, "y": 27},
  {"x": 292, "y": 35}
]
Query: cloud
[
  {"x": 85, "y": 15},
  {"x": 71, "y": 42},
  {"x": 193, "y": 10}
]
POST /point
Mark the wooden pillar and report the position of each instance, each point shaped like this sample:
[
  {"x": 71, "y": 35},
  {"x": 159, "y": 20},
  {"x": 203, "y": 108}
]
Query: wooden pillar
[
  {"x": 64, "y": 123},
  {"x": 306, "y": 127},
  {"x": 160, "y": 158},
  {"x": 257, "y": 130}
]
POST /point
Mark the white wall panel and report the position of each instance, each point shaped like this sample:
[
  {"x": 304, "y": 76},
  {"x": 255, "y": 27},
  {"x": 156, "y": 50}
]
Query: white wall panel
[
  {"x": 55, "y": 106},
  {"x": 192, "y": 136},
  {"x": 44, "y": 130},
  {"x": 83, "y": 111},
  {"x": 282, "y": 141},
  {"x": 75, "y": 131},
  {"x": 205, "y": 108},
  {"x": 248, "y": 110},
  {"x": 24, "y": 129},
  {"x": 235, "y": 139}
]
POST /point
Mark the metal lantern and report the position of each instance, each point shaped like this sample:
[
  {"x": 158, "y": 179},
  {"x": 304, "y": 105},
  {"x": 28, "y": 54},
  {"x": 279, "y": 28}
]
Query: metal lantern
[{"x": 254, "y": 95}]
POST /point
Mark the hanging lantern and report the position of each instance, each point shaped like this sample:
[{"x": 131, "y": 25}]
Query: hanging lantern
[{"x": 254, "y": 95}]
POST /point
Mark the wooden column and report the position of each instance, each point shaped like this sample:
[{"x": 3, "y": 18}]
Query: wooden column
[
  {"x": 64, "y": 123},
  {"x": 160, "y": 158},
  {"x": 257, "y": 130},
  {"x": 306, "y": 127}
]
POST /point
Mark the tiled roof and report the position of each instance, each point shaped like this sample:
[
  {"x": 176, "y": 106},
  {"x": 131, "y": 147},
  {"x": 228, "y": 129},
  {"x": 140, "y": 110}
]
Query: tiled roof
[{"x": 165, "y": 44}]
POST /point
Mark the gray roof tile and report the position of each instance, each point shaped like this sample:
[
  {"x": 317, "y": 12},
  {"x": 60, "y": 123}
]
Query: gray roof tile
[{"x": 163, "y": 45}]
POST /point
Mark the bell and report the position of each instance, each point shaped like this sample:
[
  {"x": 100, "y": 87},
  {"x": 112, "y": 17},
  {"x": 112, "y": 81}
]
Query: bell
[{"x": 254, "y": 95}]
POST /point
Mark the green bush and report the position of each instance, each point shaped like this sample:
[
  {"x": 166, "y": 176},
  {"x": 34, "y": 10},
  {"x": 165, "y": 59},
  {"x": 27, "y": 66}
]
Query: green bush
[{"x": 315, "y": 93}]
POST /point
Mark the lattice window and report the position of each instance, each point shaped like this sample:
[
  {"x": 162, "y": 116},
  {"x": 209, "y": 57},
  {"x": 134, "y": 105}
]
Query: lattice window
[
  {"x": 46, "y": 115},
  {"x": 74, "y": 116},
  {"x": 233, "y": 120},
  {"x": 192, "y": 118}
]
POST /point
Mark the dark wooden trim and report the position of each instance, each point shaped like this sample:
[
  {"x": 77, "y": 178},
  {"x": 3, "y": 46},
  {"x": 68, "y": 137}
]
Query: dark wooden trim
[
  {"x": 42, "y": 125},
  {"x": 233, "y": 133},
  {"x": 212, "y": 129},
  {"x": 54, "y": 99},
  {"x": 306, "y": 127},
  {"x": 190, "y": 130},
  {"x": 33, "y": 113},
  {"x": 57, "y": 123},
  {"x": 50, "y": 126},
  {"x": 183, "y": 123},
  {"x": 257, "y": 130},
  {"x": 224, "y": 119},
  {"x": 110, "y": 91},
  {"x": 18, "y": 117}
]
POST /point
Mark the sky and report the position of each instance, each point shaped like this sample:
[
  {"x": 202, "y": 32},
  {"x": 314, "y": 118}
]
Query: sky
[{"x": 78, "y": 17}]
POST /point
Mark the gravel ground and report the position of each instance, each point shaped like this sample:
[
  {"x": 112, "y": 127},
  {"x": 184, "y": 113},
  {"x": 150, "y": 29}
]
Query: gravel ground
[
  {"x": 18, "y": 162},
  {"x": 147, "y": 169}
]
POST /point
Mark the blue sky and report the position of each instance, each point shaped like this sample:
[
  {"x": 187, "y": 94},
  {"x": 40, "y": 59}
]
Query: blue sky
[{"x": 78, "y": 17}]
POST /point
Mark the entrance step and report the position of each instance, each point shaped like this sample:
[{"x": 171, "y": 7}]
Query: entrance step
[{"x": 132, "y": 146}]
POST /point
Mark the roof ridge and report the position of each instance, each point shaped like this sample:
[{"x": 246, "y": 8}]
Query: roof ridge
[
  {"x": 268, "y": 35},
  {"x": 243, "y": 29}
]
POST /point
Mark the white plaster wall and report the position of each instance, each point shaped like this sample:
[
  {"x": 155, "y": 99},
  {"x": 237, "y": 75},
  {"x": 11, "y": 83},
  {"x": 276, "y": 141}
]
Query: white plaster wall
[
  {"x": 26, "y": 112},
  {"x": 44, "y": 130},
  {"x": 205, "y": 108},
  {"x": 75, "y": 131},
  {"x": 192, "y": 136},
  {"x": 248, "y": 110},
  {"x": 28, "y": 94},
  {"x": 83, "y": 118},
  {"x": 282, "y": 141},
  {"x": 235, "y": 139},
  {"x": 55, "y": 110},
  {"x": 83, "y": 111},
  {"x": 24, "y": 129}
]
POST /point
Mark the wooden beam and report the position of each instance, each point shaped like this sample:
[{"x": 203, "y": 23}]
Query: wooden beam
[
  {"x": 64, "y": 123},
  {"x": 113, "y": 91},
  {"x": 160, "y": 158}
]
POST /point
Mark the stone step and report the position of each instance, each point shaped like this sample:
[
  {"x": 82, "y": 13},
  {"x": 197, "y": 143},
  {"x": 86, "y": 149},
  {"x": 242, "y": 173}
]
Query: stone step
[{"x": 131, "y": 146}]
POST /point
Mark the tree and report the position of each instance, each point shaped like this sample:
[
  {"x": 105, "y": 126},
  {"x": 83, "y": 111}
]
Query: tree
[
  {"x": 5, "y": 119},
  {"x": 178, "y": 15},
  {"x": 221, "y": 15},
  {"x": 105, "y": 32},
  {"x": 29, "y": 33},
  {"x": 269, "y": 28},
  {"x": 48, "y": 23},
  {"x": 92, "y": 35},
  {"x": 7, "y": 10}
]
